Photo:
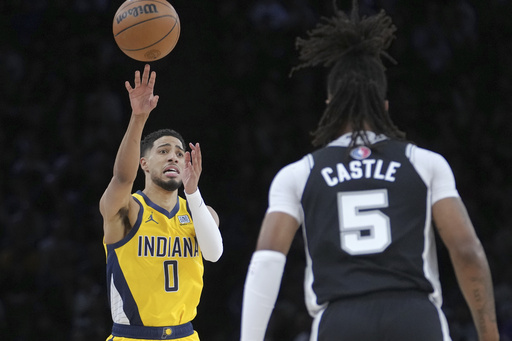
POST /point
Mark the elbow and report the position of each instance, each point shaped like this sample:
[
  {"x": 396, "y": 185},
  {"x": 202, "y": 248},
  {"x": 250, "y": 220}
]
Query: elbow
[
  {"x": 123, "y": 178},
  {"x": 469, "y": 254},
  {"x": 213, "y": 255}
]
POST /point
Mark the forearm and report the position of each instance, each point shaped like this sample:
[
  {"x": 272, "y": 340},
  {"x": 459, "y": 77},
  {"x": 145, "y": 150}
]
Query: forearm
[
  {"x": 207, "y": 231},
  {"x": 260, "y": 293},
  {"x": 128, "y": 155},
  {"x": 474, "y": 277}
]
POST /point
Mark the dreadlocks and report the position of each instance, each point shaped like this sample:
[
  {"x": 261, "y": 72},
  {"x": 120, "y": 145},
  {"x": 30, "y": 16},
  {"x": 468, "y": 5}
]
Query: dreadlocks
[{"x": 356, "y": 84}]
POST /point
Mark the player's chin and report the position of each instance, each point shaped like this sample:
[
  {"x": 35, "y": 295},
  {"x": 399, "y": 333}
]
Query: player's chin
[
  {"x": 170, "y": 185},
  {"x": 174, "y": 184}
]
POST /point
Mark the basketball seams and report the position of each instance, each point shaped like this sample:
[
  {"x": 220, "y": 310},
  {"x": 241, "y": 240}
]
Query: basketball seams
[
  {"x": 150, "y": 19},
  {"x": 176, "y": 20},
  {"x": 142, "y": 48}
]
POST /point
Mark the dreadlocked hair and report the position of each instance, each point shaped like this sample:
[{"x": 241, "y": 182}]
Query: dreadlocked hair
[{"x": 356, "y": 84}]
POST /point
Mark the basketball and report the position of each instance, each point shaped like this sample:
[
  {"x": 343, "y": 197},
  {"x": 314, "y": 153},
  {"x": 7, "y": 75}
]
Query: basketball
[{"x": 146, "y": 30}]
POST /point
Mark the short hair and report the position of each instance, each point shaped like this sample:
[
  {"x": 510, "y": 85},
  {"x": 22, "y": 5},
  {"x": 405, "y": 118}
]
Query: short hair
[
  {"x": 147, "y": 143},
  {"x": 356, "y": 84}
]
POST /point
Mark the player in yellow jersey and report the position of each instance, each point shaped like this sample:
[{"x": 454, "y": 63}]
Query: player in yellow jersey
[{"x": 154, "y": 239}]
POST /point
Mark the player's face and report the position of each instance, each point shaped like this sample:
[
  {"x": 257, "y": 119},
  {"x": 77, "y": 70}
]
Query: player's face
[{"x": 166, "y": 162}]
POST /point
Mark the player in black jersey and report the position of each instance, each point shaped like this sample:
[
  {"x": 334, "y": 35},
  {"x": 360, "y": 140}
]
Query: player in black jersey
[{"x": 367, "y": 201}]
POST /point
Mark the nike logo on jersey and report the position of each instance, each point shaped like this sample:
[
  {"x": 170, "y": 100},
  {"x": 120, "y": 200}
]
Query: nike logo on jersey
[{"x": 367, "y": 169}]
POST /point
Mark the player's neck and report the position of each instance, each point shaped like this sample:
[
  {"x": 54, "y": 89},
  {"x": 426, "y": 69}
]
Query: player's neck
[
  {"x": 347, "y": 128},
  {"x": 161, "y": 197}
]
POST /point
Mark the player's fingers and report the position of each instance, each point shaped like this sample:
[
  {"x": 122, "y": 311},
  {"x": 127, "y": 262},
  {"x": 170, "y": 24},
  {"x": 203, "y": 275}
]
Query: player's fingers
[
  {"x": 152, "y": 79},
  {"x": 193, "y": 147},
  {"x": 198, "y": 155},
  {"x": 145, "y": 74},
  {"x": 137, "y": 78},
  {"x": 187, "y": 158},
  {"x": 128, "y": 86},
  {"x": 196, "y": 149}
]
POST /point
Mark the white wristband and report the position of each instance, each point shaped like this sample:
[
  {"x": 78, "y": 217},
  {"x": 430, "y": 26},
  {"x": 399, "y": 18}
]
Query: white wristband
[
  {"x": 260, "y": 293},
  {"x": 207, "y": 231}
]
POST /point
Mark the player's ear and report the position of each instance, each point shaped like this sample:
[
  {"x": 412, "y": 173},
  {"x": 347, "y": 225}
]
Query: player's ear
[
  {"x": 386, "y": 105},
  {"x": 144, "y": 164}
]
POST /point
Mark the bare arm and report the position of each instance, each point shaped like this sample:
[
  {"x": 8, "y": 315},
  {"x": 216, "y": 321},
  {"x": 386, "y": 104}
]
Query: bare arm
[
  {"x": 116, "y": 202},
  {"x": 469, "y": 262},
  {"x": 277, "y": 232}
]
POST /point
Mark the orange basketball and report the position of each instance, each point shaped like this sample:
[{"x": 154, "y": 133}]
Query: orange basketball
[{"x": 146, "y": 30}]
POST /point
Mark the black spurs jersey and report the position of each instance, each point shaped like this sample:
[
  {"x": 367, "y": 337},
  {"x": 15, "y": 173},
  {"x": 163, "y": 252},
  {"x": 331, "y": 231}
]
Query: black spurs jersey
[{"x": 366, "y": 217}]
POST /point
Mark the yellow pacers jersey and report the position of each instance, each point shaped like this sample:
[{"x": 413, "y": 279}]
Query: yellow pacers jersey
[{"x": 155, "y": 274}]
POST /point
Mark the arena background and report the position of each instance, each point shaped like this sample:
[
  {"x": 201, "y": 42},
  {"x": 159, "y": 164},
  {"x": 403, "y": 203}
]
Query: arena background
[{"x": 64, "y": 109}]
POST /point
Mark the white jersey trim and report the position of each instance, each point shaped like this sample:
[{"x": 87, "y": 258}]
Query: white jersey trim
[
  {"x": 116, "y": 305},
  {"x": 437, "y": 175}
]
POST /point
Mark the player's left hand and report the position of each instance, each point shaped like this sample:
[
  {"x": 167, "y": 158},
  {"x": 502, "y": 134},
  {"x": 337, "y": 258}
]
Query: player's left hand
[{"x": 193, "y": 168}]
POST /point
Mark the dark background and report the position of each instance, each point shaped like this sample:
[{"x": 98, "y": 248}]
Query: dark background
[{"x": 64, "y": 109}]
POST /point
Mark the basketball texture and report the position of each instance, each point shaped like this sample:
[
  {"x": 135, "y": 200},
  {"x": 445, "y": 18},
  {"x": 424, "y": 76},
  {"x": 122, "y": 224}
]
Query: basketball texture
[{"x": 146, "y": 30}]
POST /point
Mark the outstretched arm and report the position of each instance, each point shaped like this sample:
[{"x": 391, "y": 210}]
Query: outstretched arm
[
  {"x": 470, "y": 264},
  {"x": 116, "y": 200}
]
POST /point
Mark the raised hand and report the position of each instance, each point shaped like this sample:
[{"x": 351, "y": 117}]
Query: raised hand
[
  {"x": 193, "y": 168},
  {"x": 142, "y": 99}
]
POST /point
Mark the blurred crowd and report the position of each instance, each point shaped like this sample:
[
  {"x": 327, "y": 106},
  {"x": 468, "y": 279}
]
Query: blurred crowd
[{"x": 226, "y": 85}]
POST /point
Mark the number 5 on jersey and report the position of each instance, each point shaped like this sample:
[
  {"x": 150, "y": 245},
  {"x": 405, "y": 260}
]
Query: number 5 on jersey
[{"x": 364, "y": 229}]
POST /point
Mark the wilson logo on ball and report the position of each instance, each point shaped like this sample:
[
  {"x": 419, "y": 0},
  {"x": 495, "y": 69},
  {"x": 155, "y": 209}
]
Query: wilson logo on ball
[{"x": 146, "y": 9}]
